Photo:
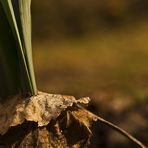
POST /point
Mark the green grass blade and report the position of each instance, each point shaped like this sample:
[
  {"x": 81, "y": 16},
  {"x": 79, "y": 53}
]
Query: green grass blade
[
  {"x": 25, "y": 17},
  {"x": 26, "y": 80},
  {"x": 9, "y": 67}
]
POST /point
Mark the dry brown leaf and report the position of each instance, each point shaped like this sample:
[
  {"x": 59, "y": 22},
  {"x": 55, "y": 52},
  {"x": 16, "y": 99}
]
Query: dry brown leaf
[
  {"x": 41, "y": 109},
  {"x": 71, "y": 126}
]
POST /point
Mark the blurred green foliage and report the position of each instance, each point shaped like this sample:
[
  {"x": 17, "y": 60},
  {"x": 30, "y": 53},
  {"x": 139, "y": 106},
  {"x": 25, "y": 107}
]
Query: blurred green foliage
[
  {"x": 114, "y": 61},
  {"x": 82, "y": 47}
]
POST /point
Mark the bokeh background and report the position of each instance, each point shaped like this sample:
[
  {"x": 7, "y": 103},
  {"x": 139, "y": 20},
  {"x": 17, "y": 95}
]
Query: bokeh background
[{"x": 96, "y": 48}]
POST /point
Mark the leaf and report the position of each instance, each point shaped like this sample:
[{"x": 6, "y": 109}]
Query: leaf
[
  {"x": 9, "y": 66},
  {"x": 41, "y": 108},
  {"x": 25, "y": 17},
  {"x": 17, "y": 13}
]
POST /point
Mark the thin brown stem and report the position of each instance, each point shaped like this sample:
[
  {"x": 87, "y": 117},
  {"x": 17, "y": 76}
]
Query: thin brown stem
[{"x": 120, "y": 130}]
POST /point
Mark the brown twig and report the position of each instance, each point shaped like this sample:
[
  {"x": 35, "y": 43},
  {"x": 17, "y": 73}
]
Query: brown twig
[{"x": 120, "y": 130}]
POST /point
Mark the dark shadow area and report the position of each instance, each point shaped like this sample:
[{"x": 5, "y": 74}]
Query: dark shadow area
[{"x": 16, "y": 135}]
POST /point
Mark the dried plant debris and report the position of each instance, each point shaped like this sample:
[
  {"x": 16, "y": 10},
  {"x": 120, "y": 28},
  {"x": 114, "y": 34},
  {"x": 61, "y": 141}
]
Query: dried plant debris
[
  {"x": 44, "y": 121},
  {"x": 57, "y": 134},
  {"x": 48, "y": 120},
  {"x": 41, "y": 109}
]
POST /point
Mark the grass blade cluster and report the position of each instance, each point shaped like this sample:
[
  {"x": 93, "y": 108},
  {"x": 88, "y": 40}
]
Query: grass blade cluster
[{"x": 15, "y": 48}]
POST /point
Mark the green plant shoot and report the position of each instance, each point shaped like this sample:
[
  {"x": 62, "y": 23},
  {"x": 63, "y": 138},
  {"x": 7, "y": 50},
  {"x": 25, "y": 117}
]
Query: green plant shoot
[{"x": 17, "y": 73}]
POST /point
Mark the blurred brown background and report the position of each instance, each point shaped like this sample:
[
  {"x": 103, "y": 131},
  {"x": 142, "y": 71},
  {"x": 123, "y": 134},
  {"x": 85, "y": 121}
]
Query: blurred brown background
[{"x": 97, "y": 49}]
